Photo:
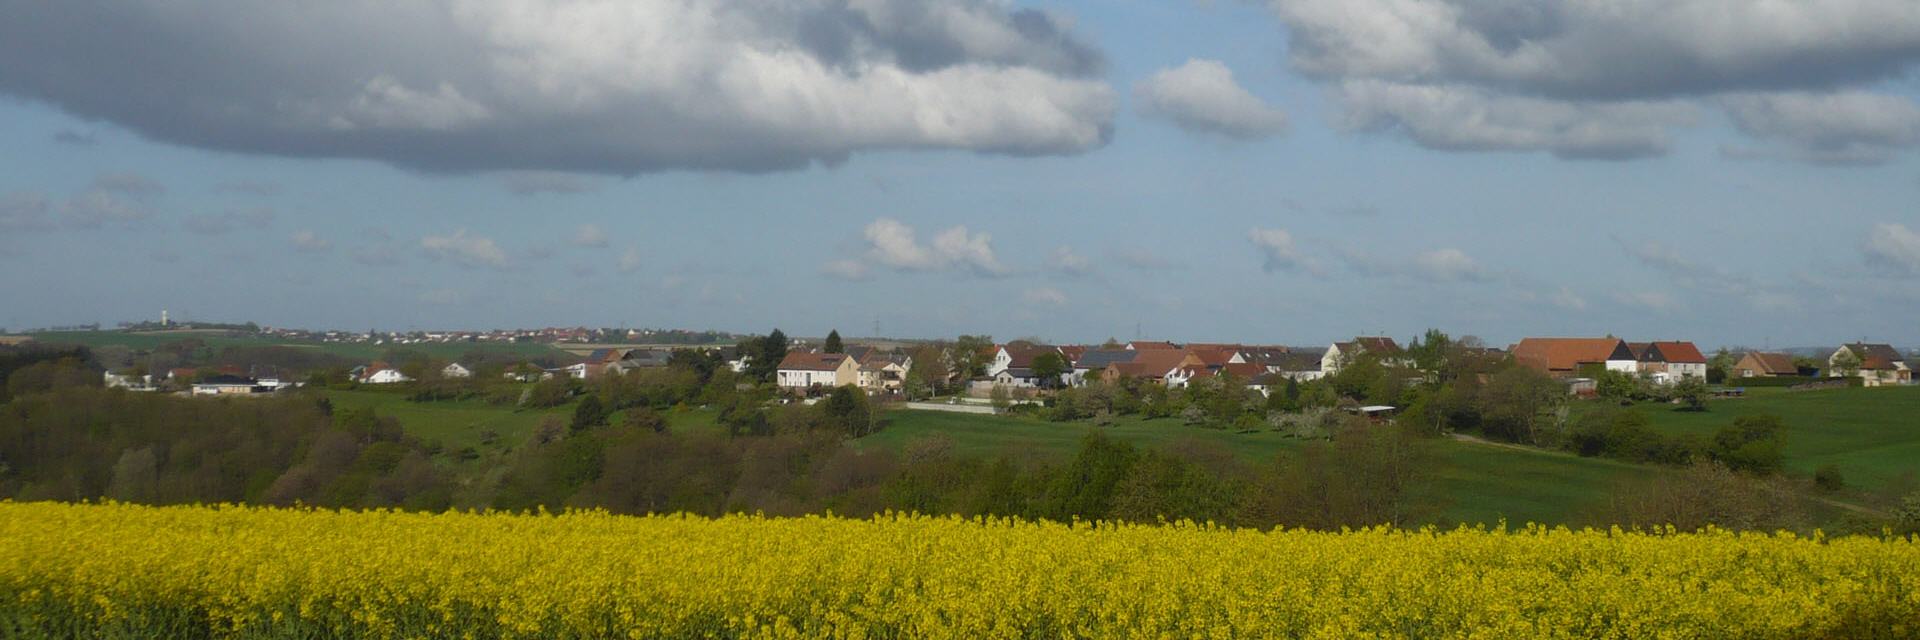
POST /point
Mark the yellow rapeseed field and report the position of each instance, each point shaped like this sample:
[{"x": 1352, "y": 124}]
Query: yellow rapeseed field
[{"x": 133, "y": 571}]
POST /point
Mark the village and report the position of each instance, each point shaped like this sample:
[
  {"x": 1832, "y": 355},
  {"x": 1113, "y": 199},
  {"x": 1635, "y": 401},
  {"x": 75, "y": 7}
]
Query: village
[{"x": 1026, "y": 369}]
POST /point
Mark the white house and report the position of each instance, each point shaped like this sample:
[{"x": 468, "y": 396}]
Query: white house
[
  {"x": 804, "y": 370},
  {"x": 226, "y": 386},
  {"x": 128, "y": 382},
  {"x": 1340, "y": 353},
  {"x": 1874, "y": 364},
  {"x": 456, "y": 370},
  {"x": 382, "y": 374}
]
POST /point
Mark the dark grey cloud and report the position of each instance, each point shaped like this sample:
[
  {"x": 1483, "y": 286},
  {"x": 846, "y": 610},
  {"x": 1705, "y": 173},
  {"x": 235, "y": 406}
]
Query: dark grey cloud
[
  {"x": 249, "y": 188},
  {"x": 1611, "y": 79},
  {"x": 76, "y": 138},
  {"x": 21, "y": 212},
  {"x": 609, "y": 88}
]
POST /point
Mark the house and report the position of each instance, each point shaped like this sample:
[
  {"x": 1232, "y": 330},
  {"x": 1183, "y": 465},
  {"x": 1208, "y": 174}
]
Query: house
[
  {"x": 1755, "y": 364},
  {"x": 1147, "y": 365},
  {"x": 884, "y": 371},
  {"x": 381, "y": 373},
  {"x": 804, "y": 370},
  {"x": 1012, "y": 365},
  {"x": 1668, "y": 362},
  {"x": 1874, "y": 364},
  {"x": 1575, "y": 357},
  {"x": 128, "y": 381},
  {"x": 455, "y": 370},
  {"x": 1340, "y": 353},
  {"x": 228, "y": 385},
  {"x": 1297, "y": 366},
  {"x": 1094, "y": 361},
  {"x": 1143, "y": 345}
]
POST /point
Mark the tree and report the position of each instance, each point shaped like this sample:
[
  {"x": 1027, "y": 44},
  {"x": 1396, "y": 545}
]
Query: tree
[
  {"x": 588, "y": 414},
  {"x": 1618, "y": 386},
  {"x": 1517, "y": 402},
  {"x": 1002, "y": 398},
  {"x": 1692, "y": 394},
  {"x": 846, "y": 409},
  {"x": 1751, "y": 444},
  {"x": 1049, "y": 366},
  {"x": 970, "y": 356},
  {"x": 1846, "y": 362},
  {"x": 833, "y": 344},
  {"x": 767, "y": 353},
  {"x": 1085, "y": 488}
]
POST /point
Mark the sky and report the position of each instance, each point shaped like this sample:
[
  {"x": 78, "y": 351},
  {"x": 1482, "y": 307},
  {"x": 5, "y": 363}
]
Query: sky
[{"x": 1287, "y": 171}]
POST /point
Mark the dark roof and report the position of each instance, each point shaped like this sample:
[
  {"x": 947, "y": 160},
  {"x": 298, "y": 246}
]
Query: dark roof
[
  {"x": 1295, "y": 361},
  {"x": 1376, "y": 345},
  {"x": 1022, "y": 354},
  {"x": 1100, "y": 358},
  {"x": 648, "y": 357}
]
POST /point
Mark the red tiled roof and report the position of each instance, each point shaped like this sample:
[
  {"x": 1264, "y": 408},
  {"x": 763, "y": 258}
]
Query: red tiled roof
[
  {"x": 802, "y": 361},
  {"x": 1775, "y": 363},
  {"x": 1680, "y": 352},
  {"x": 1565, "y": 354},
  {"x": 1150, "y": 344}
]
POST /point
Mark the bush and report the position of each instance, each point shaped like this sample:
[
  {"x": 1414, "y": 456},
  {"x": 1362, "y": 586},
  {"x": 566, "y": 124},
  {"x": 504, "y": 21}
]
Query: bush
[
  {"x": 1751, "y": 444},
  {"x": 1828, "y": 478}
]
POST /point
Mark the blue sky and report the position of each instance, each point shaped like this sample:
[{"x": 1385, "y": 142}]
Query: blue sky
[{"x": 1519, "y": 174}]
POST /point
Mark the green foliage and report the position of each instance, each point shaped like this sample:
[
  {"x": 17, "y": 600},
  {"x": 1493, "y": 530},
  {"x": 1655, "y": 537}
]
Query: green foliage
[
  {"x": 846, "y": 410},
  {"x": 589, "y": 413},
  {"x": 551, "y": 392},
  {"x": 1829, "y": 479},
  {"x": 766, "y": 353},
  {"x": 1691, "y": 393},
  {"x": 1626, "y": 435},
  {"x": 833, "y": 344},
  {"x": 1086, "y": 487},
  {"x": 1049, "y": 366},
  {"x": 1519, "y": 405},
  {"x": 1001, "y": 398},
  {"x": 1751, "y": 444}
]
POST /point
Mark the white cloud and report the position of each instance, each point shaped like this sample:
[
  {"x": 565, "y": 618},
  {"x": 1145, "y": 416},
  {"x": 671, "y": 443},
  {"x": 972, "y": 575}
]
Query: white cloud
[
  {"x": 1448, "y": 265},
  {"x": 1045, "y": 296},
  {"x": 306, "y": 241},
  {"x": 593, "y": 87},
  {"x": 893, "y": 244},
  {"x": 1276, "y": 245},
  {"x": 1609, "y": 79},
  {"x": 629, "y": 261},
  {"x": 1142, "y": 258},
  {"x": 1651, "y": 300},
  {"x": 1202, "y": 96},
  {"x": 845, "y": 269},
  {"x": 1065, "y": 260},
  {"x": 1843, "y": 127},
  {"x": 1895, "y": 248},
  {"x": 465, "y": 250},
  {"x": 589, "y": 236},
  {"x": 1463, "y": 118},
  {"x": 1565, "y": 298}
]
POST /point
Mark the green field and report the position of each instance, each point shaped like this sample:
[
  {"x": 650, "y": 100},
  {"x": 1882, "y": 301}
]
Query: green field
[
  {"x": 1873, "y": 435},
  {"x": 454, "y": 423},
  {"x": 1471, "y": 482},
  {"x": 359, "y": 352}
]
